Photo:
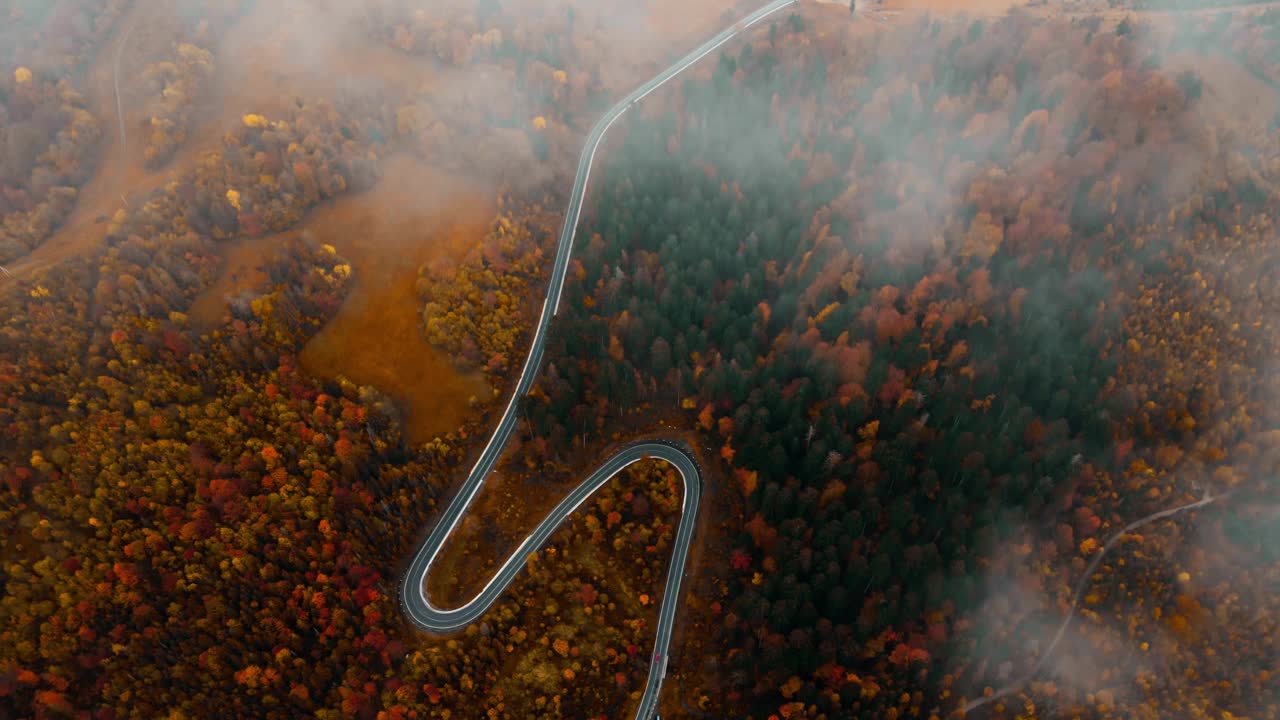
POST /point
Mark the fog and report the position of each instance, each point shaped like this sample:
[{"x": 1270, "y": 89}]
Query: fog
[
  {"x": 431, "y": 68},
  {"x": 474, "y": 118},
  {"x": 440, "y": 70},
  {"x": 1221, "y": 138},
  {"x": 432, "y": 72}
]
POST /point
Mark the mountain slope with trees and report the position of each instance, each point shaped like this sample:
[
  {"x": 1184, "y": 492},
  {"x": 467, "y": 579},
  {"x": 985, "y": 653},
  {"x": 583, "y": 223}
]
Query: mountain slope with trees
[
  {"x": 941, "y": 298},
  {"x": 947, "y": 305}
]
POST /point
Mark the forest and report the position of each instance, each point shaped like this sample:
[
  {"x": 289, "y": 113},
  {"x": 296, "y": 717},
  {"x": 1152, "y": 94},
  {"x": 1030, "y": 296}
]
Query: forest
[
  {"x": 949, "y": 305},
  {"x": 48, "y": 136},
  {"x": 923, "y": 339}
]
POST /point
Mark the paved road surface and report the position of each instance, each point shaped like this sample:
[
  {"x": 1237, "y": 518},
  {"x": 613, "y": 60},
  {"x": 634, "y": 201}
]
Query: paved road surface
[{"x": 417, "y": 606}]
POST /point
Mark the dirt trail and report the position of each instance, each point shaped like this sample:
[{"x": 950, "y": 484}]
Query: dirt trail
[
  {"x": 119, "y": 178},
  {"x": 414, "y": 214},
  {"x": 265, "y": 63}
]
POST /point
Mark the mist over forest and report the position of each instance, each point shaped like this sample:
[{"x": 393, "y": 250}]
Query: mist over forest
[{"x": 966, "y": 313}]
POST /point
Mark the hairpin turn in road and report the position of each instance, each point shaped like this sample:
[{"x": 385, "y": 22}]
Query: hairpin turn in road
[{"x": 417, "y": 606}]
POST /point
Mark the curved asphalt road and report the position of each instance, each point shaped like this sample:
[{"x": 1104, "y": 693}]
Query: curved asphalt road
[{"x": 417, "y": 606}]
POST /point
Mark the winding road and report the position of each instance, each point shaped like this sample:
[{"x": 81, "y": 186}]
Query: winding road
[{"x": 417, "y": 606}]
